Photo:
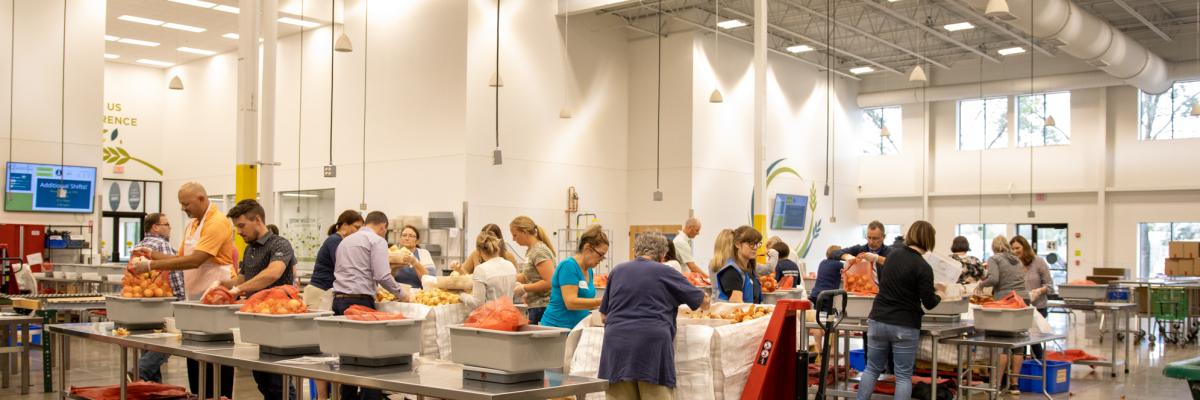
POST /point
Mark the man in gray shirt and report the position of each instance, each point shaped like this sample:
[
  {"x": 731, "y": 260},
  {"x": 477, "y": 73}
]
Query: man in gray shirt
[{"x": 360, "y": 264}]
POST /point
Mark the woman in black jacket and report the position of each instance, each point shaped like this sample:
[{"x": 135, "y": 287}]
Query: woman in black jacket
[{"x": 894, "y": 328}]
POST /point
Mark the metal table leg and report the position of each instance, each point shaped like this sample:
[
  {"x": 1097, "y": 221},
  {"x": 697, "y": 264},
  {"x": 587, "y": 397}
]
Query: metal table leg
[
  {"x": 287, "y": 385},
  {"x": 335, "y": 391},
  {"x": 934, "y": 375},
  {"x": 124, "y": 367},
  {"x": 1127, "y": 340},
  {"x": 1045, "y": 383},
  {"x": 1113, "y": 353},
  {"x": 62, "y": 369},
  {"x": 25, "y": 358},
  {"x": 217, "y": 381},
  {"x": 6, "y": 368},
  {"x": 204, "y": 380},
  {"x": 958, "y": 371}
]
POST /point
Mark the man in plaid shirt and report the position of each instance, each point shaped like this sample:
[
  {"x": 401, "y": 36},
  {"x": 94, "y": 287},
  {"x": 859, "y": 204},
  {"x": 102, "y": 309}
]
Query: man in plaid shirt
[{"x": 157, "y": 237}]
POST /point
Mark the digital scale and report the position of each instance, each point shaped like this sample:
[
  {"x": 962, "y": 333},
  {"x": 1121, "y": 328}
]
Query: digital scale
[
  {"x": 376, "y": 361},
  {"x": 502, "y": 377},
  {"x": 289, "y": 351},
  {"x": 207, "y": 337},
  {"x": 939, "y": 318}
]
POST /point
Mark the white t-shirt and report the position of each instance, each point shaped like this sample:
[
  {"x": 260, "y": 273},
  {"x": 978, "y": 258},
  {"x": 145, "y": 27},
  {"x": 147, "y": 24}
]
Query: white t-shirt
[
  {"x": 675, "y": 264},
  {"x": 683, "y": 249},
  {"x": 494, "y": 279}
]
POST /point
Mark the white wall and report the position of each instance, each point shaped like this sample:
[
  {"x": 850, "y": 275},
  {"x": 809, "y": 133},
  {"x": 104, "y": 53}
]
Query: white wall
[{"x": 133, "y": 106}]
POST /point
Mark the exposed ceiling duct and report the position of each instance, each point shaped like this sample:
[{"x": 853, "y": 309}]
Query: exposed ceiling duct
[{"x": 1088, "y": 38}]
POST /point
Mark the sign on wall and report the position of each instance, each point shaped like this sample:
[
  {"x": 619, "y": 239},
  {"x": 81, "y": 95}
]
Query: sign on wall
[{"x": 112, "y": 150}]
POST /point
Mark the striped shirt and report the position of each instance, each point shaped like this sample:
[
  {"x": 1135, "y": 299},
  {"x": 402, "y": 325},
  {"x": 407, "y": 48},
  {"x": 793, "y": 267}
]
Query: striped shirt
[{"x": 160, "y": 245}]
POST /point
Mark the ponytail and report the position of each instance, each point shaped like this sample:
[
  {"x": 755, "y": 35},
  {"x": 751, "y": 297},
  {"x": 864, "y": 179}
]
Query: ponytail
[
  {"x": 348, "y": 217},
  {"x": 488, "y": 245},
  {"x": 526, "y": 225}
]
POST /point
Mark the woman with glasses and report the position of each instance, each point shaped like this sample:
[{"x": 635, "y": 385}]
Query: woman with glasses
[
  {"x": 572, "y": 292},
  {"x": 736, "y": 281},
  {"x": 410, "y": 270}
]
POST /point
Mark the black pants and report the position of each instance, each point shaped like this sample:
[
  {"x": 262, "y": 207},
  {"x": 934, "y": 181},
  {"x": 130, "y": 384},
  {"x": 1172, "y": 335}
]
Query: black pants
[
  {"x": 193, "y": 369},
  {"x": 340, "y": 304},
  {"x": 271, "y": 385}
]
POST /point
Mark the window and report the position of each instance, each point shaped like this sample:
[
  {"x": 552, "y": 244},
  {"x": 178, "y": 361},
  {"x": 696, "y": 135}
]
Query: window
[
  {"x": 1152, "y": 243},
  {"x": 1168, "y": 115},
  {"x": 980, "y": 237},
  {"x": 1034, "y": 112},
  {"x": 882, "y": 131},
  {"x": 983, "y": 123},
  {"x": 890, "y": 232}
]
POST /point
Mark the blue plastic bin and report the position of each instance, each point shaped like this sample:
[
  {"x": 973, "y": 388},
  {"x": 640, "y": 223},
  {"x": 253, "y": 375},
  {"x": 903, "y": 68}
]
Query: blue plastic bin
[
  {"x": 1058, "y": 377},
  {"x": 858, "y": 360},
  {"x": 1118, "y": 294}
]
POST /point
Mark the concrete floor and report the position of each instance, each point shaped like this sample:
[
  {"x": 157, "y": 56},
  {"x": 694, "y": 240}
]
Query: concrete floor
[{"x": 96, "y": 364}]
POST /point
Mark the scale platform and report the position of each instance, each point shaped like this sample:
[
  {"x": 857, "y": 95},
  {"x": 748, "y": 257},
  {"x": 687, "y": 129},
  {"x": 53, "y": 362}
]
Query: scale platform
[
  {"x": 289, "y": 351},
  {"x": 497, "y": 376},
  {"x": 1069, "y": 301},
  {"x": 139, "y": 327},
  {"x": 207, "y": 337},
  {"x": 941, "y": 318},
  {"x": 1005, "y": 334},
  {"x": 375, "y": 362}
]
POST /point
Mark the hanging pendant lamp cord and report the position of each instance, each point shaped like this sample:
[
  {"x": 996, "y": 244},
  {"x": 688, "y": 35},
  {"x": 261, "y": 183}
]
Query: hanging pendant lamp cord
[
  {"x": 366, "y": 34},
  {"x": 62, "y": 136},
  {"x": 497, "y": 74},
  {"x": 985, "y": 139},
  {"x": 658, "y": 100},
  {"x": 300, "y": 108},
  {"x": 12, "y": 57},
  {"x": 332, "y": 50},
  {"x": 1030, "y": 144},
  {"x": 828, "y": 80}
]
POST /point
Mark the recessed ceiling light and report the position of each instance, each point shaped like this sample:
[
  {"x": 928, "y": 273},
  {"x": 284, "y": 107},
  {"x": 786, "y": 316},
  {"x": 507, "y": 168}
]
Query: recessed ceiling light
[
  {"x": 111, "y": 38},
  {"x": 195, "y": 3},
  {"x": 731, "y": 24},
  {"x": 231, "y": 35},
  {"x": 140, "y": 20},
  {"x": 182, "y": 27},
  {"x": 861, "y": 70},
  {"x": 298, "y": 22},
  {"x": 111, "y": 56},
  {"x": 146, "y": 43},
  {"x": 228, "y": 9},
  {"x": 959, "y": 26},
  {"x": 196, "y": 51},
  {"x": 1011, "y": 50},
  {"x": 800, "y": 48},
  {"x": 156, "y": 63}
]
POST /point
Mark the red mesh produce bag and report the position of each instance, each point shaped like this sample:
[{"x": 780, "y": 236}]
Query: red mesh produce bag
[
  {"x": 497, "y": 315},
  {"x": 787, "y": 283},
  {"x": 362, "y": 313},
  {"x": 217, "y": 295},
  {"x": 1011, "y": 301},
  {"x": 150, "y": 284},
  {"x": 1070, "y": 355},
  {"x": 133, "y": 391},
  {"x": 860, "y": 278},
  {"x": 277, "y": 300}
]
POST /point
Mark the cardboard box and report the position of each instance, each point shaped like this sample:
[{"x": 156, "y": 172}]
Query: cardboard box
[
  {"x": 1182, "y": 267},
  {"x": 1117, "y": 272},
  {"x": 1184, "y": 249},
  {"x": 1172, "y": 267}
]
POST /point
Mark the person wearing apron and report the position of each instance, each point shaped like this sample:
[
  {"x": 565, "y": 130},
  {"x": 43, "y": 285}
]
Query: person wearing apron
[
  {"x": 206, "y": 257},
  {"x": 419, "y": 265}
]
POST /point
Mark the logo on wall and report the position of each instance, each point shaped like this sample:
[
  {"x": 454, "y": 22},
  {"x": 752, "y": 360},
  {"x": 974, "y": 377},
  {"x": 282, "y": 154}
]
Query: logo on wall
[
  {"x": 114, "y": 196},
  {"x": 112, "y": 151},
  {"x": 135, "y": 196}
]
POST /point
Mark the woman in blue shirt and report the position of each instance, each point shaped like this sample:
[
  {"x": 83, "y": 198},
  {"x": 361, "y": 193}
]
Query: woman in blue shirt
[
  {"x": 572, "y": 293},
  {"x": 736, "y": 282},
  {"x": 829, "y": 276}
]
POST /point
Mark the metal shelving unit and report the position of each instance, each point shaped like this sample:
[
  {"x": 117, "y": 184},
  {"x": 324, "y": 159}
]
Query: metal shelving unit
[{"x": 76, "y": 248}]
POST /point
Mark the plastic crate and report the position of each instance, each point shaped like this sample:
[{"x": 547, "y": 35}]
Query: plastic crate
[
  {"x": 859, "y": 306},
  {"x": 951, "y": 307},
  {"x": 858, "y": 359},
  {"x": 1086, "y": 292},
  {"x": 373, "y": 339},
  {"x": 1169, "y": 304},
  {"x": 1004, "y": 319},
  {"x": 192, "y": 316},
  {"x": 533, "y": 348},
  {"x": 281, "y": 331},
  {"x": 1058, "y": 377},
  {"x": 138, "y": 311}
]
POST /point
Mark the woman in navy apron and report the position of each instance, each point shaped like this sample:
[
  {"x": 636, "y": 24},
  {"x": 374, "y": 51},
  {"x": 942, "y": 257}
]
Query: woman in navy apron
[{"x": 735, "y": 281}]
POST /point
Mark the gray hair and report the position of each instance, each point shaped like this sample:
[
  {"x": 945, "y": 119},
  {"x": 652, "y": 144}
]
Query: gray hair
[
  {"x": 650, "y": 244},
  {"x": 691, "y": 222}
]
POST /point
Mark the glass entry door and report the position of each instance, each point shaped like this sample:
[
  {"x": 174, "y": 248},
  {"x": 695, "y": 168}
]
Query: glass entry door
[
  {"x": 1050, "y": 242},
  {"x": 122, "y": 232}
]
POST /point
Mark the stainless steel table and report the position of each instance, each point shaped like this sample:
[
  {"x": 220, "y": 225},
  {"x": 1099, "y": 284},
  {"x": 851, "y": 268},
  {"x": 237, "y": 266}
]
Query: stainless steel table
[
  {"x": 994, "y": 343},
  {"x": 425, "y": 377},
  {"x": 1117, "y": 312},
  {"x": 16, "y": 340},
  {"x": 935, "y": 331}
]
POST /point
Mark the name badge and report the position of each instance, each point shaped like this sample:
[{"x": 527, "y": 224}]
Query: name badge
[{"x": 583, "y": 285}]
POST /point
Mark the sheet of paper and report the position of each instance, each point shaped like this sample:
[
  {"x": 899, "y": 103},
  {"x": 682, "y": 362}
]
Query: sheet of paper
[
  {"x": 34, "y": 259},
  {"x": 307, "y": 360}
]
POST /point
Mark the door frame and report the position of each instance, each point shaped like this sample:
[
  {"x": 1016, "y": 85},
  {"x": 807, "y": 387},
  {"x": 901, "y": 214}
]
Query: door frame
[
  {"x": 1033, "y": 241},
  {"x": 116, "y": 232}
]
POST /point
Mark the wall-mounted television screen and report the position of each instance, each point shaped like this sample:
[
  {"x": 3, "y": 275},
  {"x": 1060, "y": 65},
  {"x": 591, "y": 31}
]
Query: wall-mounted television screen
[
  {"x": 35, "y": 188},
  {"x": 790, "y": 212}
]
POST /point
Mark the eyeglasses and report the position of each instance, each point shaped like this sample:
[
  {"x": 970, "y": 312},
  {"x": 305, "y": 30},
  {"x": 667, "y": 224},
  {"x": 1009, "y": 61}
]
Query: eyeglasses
[
  {"x": 408, "y": 236},
  {"x": 754, "y": 245},
  {"x": 598, "y": 253},
  {"x": 162, "y": 224},
  {"x": 874, "y": 237}
]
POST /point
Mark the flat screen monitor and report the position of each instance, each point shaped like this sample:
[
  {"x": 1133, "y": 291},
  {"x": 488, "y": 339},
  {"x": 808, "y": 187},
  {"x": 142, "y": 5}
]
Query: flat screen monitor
[
  {"x": 790, "y": 212},
  {"x": 35, "y": 188}
]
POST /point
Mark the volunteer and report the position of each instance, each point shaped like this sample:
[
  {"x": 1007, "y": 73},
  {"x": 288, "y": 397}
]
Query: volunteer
[
  {"x": 894, "y": 325},
  {"x": 538, "y": 268},
  {"x": 420, "y": 263},
  {"x": 1037, "y": 277},
  {"x": 1004, "y": 272},
  {"x": 736, "y": 281},
  {"x": 772, "y": 257},
  {"x": 785, "y": 266},
  {"x": 360, "y": 264},
  {"x": 639, "y": 310},
  {"x": 267, "y": 263},
  {"x": 972, "y": 269},
  {"x": 205, "y": 257},
  {"x": 495, "y": 277},
  {"x": 829, "y": 276},
  {"x": 874, "y": 251},
  {"x": 475, "y": 258},
  {"x": 573, "y": 288},
  {"x": 157, "y": 238},
  {"x": 348, "y": 222},
  {"x": 722, "y": 251},
  {"x": 683, "y": 245}
]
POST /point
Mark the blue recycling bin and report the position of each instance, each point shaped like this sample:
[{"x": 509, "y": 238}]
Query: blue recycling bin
[{"x": 1058, "y": 377}]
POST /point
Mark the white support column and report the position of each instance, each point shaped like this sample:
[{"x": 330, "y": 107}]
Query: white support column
[
  {"x": 247, "y": 102},
  {"x": 760, "y": 108},
  {"x": 266, "y": 172}
]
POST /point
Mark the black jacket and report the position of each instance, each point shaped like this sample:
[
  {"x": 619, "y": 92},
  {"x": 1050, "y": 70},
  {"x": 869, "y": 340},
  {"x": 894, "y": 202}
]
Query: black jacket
[{"x": 905, "y": 283}]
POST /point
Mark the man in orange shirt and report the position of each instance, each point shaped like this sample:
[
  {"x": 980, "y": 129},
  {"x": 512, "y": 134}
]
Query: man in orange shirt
[{"x": 206, "y": 257}]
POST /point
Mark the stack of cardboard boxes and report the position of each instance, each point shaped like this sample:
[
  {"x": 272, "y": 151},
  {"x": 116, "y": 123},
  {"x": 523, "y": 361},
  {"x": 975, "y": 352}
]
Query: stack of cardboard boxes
[{"x": 1184, "y": 259}]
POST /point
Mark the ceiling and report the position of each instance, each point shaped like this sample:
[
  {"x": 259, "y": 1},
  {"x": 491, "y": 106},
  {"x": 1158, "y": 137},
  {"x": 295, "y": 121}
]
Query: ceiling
[
  {"x": 215, "y": 22},
  {"x": 892, "y": 36}
]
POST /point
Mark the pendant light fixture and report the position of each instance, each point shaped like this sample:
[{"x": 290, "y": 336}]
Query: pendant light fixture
[
  {"x": 658, "y": 194},
  {"x": 12, "y": 62},
  {"x": 62, "y": 135},
  {"x": 716, "y": 96},
  {"x": 828, "y": 87},
  {"x": 1031, "y": 213},
  {"x": 918, "y": 75},
  {"x": 342, "y": 45},
  {"x": 999, "y": 9},
  {"x": 496, "y": 82},
  {"x": 176, "y": 83},
  {"x": 300, "y": 109},
  {"x": 1196, "y": 104},
  {"x": 565, "y": 111},
  {"x": 331, "y": 169},
  {"x": 884, "y": 132},
  {"x": 362, "y": 206}
]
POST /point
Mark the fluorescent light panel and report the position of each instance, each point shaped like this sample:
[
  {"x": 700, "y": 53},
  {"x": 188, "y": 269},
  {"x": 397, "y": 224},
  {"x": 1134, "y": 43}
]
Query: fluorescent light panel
[
  {"x": 731, "y": 24},
  {"x": 140, "y": 20},
  {"x": 1011, "y": 50},
  {"x": 304, "y": 195},
  {"x": 111, "y": 56},
  {"x": 861, "y": 70},
  {"x": 196, "y": 51},
  {"x": 182, "y": 27},
  {"x": 298, "y": 22},
  {"x": 800, "y": 48},
  {"x": 195, "y": 3},
  {"x": 231, "y": 35},
  {"x": 146, "y": 43},
  {"x": 959, "y": 26},
  {"x": 228, "y": 9},
  {"x": 156, "y": 63},
  {"x": 111, "y": 38}
]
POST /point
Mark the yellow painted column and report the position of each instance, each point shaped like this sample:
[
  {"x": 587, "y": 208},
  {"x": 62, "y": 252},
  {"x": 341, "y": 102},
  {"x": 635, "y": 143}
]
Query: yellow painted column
[
  {"x": 760, "y": 225},
  {"x": 245, "y": 187}
]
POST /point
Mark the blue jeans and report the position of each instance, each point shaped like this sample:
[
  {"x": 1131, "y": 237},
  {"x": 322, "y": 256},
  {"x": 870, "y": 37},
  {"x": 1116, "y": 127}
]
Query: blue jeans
[
  {"x": 535, "y": 315},
  {"x": 901, "y": 343},
  {"x": 150, "y": 366}
]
